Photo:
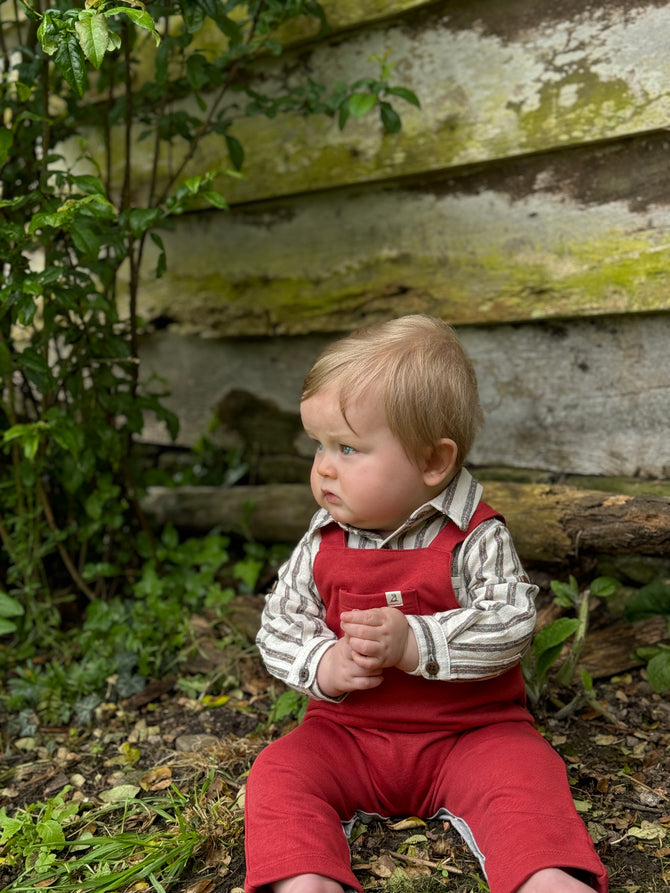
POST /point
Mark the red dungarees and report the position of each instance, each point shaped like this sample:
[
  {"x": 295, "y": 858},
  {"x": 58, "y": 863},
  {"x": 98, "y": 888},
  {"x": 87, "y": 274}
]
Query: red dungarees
[{"x": 466, "y": 751}]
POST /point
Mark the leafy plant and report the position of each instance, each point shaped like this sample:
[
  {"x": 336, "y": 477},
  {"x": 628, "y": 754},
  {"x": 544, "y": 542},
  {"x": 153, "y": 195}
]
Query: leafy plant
[
  {"x": 68, "y": 848},
  {"x": 73, "y": 236},
  {"x": 558, "y": 646},
  {"x": 126, "y": 639},
  {"x": 652, "y": 600},
  {"x": 288, "y": 705}
]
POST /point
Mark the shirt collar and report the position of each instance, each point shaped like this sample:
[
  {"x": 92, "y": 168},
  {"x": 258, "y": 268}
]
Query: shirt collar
[{"x": 457, "y": 501}]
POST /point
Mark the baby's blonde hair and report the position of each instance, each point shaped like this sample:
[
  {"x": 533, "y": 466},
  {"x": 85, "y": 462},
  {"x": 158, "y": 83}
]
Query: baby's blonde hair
[{"x": 427, "y": 381}]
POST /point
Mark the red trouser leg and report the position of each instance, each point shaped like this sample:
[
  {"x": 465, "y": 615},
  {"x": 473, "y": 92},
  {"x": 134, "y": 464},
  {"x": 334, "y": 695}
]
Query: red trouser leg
[
  {"x": 511, "y": 789},
  {"x": 505, "y": 788},
  {"x": 299, "y": 790}
]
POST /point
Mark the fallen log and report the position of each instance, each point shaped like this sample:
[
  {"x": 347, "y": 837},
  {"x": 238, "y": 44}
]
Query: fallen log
[{"x": 550, "y": 523}]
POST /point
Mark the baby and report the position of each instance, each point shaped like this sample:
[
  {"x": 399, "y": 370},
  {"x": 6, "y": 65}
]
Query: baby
[{"x": 404, "y": 613}]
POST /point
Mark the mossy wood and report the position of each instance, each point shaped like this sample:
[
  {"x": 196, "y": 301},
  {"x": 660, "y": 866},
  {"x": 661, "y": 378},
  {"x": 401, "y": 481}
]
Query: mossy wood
[
  {"x": 496, "y": 80},
  {"x": 579, "y": 233},
  {"x": 549, "y": 523},
  {"x": 531, "y": 184},
  {"x": 528, "y": 193}
]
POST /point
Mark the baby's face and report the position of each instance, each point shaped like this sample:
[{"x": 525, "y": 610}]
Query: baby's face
[{"x": 361, "y": 472}]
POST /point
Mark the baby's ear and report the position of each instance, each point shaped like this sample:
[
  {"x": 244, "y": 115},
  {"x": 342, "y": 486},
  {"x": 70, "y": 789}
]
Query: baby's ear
[{"x": 439, "y": 462}]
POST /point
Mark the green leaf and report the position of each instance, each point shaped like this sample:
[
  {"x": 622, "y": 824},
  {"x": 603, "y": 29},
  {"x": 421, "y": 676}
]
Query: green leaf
[
  {"x": 7, "y": 627},
  {"x": 71, "y": 63},
  {"x": 214, "y": 9},
  {"x": 6, "y": 140},
  {"x": 658, "y": 671},
  {"x": 197, "y": 71},
  {"x": 587, "y": 681},
  {"x": 139, "y": 17},
  {"x": 46, "y": 34},
  {"x": 161, "y": 264},
  {"x": 545, "y": 660},
  {"x": 404, "y": 93},
  {"x": 142, "y": 219},
  {"x": 85, "y": 241},
  {"x": 567, "y": 594},
  {"x": 390, "y": 118},
  {"x": 35, "y": 367},
  {"x": 41, "y": 220},
  {"x": 10, "y": 607},
  {"x": 51, "y": 833},
  {"x": 360, "y": 104},
  {"x": 555, "y": 633},
  {"x": 10, "y": 826},
  {"x": 215, "y": 199},
  {"x": 652, "y": 599},
  {"x": 89, "y": 184},
  {"x": 603, "y": 587},
  {"x": 93, "y": 33},
  {"x": 5, "y": 362},
  {"x": 235, "y": 151}
]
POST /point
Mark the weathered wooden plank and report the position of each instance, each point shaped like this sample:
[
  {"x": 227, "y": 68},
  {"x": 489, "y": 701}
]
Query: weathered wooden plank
[
  {"x": 549, "y": 524},
  {"x": 585, "y": 232},
  {"x": 341, "y": 15},
  {"x": 496, "y": 80},
  {"x": 585, "y": 397}
]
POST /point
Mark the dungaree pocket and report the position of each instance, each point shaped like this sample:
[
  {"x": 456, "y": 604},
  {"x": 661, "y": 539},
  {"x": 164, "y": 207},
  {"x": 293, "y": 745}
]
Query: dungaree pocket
[{"x": 406, "y": 600}]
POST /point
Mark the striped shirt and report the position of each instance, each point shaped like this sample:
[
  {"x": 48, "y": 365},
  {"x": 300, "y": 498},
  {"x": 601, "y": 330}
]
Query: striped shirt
[{"x": 487, "y": 635}]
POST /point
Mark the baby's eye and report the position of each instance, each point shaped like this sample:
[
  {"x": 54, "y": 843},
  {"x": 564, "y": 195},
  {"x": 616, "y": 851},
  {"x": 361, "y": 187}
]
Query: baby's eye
[{"x": 347, "y": 450}]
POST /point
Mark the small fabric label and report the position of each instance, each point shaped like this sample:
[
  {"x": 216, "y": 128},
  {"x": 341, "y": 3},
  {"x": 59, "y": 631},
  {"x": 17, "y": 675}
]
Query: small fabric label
[{"x": 393, "y": 598}]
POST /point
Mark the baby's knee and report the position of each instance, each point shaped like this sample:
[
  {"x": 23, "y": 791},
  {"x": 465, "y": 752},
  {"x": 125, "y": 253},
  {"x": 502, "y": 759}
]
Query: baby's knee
[{"x": 307, "y": 883}]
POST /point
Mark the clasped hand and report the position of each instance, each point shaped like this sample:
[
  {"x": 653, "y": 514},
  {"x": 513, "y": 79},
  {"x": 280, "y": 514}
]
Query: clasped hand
[{"x": 373, "y": 639}]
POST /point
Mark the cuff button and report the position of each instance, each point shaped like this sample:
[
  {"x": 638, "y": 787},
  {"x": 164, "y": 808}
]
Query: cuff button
[{"x": 432, "y": 668}]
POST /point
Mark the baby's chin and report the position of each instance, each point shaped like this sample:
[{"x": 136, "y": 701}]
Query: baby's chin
[{"x": 345, "y": 517}]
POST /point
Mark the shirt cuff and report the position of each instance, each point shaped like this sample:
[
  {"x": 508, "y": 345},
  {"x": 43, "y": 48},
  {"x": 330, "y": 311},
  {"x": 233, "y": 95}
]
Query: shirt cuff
[
  {"x": 303, "y": 672},
  {"x": 434, "y": 660}
]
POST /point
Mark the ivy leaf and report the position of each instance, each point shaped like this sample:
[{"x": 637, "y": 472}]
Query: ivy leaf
[{"x": 93, "y": 34}]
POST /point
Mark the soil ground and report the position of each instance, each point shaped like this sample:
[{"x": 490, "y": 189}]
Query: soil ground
[{"x": 617, "y": 753}]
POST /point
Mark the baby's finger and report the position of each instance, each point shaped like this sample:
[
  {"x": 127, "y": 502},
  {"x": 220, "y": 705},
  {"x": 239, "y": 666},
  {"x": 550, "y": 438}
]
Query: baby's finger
[{"x": 369, "y": 617}]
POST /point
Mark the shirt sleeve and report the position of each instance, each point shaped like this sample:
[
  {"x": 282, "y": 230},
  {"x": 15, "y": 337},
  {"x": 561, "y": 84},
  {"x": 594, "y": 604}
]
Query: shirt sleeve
[
  {"x": 494, "y": 626},
  {"x": 294, "y": 636}
]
